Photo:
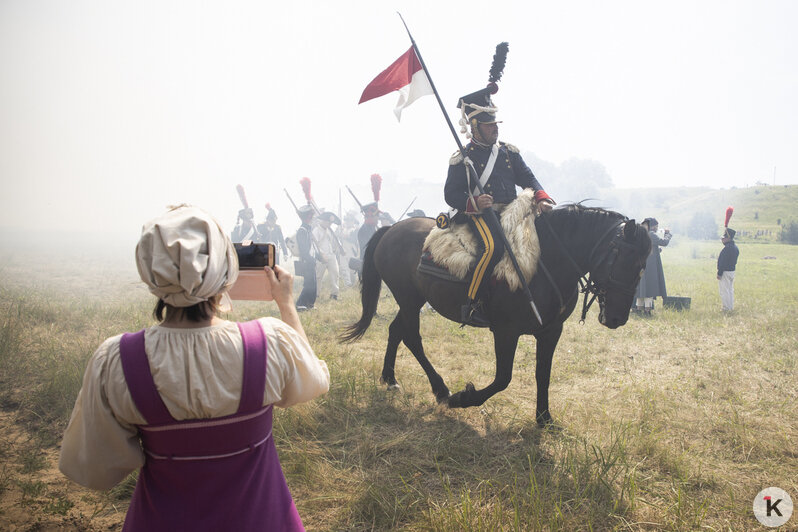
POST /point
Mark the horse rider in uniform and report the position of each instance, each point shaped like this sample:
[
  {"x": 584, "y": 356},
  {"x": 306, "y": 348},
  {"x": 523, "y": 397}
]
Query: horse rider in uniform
[{"x": 500, "y": 168}]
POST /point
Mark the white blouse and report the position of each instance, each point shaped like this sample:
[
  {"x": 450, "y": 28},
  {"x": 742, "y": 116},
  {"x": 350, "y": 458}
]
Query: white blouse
[{"x": 198, "y": 375}]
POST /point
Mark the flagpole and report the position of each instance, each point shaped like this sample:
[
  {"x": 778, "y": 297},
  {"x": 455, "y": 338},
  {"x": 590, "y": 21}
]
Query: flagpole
[
  {"x": 434, "y": 90},
  {"x": 489, "y": 212}
]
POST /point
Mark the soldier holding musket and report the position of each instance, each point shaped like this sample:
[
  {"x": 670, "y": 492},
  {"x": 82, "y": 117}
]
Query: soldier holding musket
[{"x": 500, "y": 168}]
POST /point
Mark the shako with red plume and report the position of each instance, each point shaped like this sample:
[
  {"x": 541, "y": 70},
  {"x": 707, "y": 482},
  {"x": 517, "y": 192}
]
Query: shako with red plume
[{"x": 729, "y": 212}]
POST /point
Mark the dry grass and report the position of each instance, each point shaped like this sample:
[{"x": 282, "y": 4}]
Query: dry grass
[{"x": 673, "y": 423}]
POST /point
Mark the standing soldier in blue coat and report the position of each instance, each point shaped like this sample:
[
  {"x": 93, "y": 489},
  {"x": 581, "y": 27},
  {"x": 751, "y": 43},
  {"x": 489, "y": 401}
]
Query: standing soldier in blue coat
[
  {"x": 727, "y": 264},
  {"x": 500, "y": 168}
]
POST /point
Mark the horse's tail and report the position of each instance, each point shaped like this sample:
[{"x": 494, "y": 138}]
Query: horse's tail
[{"x": 370, "y": 286}]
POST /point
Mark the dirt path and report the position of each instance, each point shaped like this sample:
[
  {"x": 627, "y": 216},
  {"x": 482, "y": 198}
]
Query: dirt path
[{"x": 34, "y": 495}]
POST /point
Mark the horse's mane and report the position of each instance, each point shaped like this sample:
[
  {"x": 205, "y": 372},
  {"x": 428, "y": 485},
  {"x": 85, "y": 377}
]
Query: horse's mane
[
  {"x": 597, "y": 217},
  {"x": 584, "y": 212}
]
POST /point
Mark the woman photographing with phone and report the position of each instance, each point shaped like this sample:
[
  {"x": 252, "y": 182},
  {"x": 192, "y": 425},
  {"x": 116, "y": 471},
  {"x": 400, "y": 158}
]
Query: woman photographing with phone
[{"x": 189, "y": 400}]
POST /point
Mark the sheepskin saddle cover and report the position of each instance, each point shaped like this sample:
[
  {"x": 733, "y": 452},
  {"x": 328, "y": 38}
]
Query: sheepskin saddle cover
[{"x": 455, "y": 248}]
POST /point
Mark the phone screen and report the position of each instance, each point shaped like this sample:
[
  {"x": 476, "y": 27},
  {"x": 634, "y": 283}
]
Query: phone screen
[{"x": 252, "y": 256}]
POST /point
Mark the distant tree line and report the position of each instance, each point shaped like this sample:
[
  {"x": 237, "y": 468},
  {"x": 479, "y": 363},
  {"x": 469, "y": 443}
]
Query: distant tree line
[
  {"x": 789, "y": 233},
  {"x": 702, "y": 226},
  {"x": 573, "y": 180}
]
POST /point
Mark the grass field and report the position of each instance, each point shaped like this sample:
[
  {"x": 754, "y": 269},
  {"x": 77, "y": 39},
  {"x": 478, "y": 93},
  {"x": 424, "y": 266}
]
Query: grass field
[{"x": 670, "y": 423}]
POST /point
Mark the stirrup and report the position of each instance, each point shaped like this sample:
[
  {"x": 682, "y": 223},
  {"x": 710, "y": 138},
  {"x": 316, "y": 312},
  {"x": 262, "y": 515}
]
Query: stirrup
[{"x": 471, "y": 314}]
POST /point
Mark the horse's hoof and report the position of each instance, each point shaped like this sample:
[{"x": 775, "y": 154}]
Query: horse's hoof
[
  {"x": 455, "y": 400},
  {"x": 390, "y": 382},
  {"x": 443, "y": 397},
  {"x": 394, "y": 386},
  {"x": 458, "y": 400},
  {"x": 544, "y": 420}
]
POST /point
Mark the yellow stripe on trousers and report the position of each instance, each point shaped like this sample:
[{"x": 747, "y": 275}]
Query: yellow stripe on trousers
[{"x": 482, "y": 265}]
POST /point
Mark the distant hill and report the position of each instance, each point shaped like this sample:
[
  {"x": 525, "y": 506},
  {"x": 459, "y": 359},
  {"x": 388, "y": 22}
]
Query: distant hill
[{"x": 759, "y": 211}]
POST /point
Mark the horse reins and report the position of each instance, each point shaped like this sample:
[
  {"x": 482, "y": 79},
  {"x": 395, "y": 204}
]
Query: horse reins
[{"x": 586, "y": 284}]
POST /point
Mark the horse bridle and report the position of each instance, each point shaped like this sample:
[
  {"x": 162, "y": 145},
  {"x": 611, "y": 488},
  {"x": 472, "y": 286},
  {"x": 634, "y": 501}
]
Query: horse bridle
[{"x": 586, "y": 284}]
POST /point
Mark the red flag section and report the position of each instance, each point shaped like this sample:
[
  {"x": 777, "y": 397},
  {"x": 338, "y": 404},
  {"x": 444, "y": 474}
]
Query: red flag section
[{"x": 396, "y": 76}]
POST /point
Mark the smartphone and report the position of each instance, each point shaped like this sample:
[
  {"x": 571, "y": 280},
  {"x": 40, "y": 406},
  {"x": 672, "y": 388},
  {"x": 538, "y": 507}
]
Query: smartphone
[
  {"x": 251, "y": 284},
  {"x": 252, "y": 256}
]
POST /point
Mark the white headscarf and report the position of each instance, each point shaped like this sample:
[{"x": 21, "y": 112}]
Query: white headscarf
[{"x": 185, "y": 257}]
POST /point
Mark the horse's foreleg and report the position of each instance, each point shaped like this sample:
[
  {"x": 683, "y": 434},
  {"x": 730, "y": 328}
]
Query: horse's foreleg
[
  {"x": 395, "y": 332},
  {"x": 505, "y": 344},
  {"x": 412, "y": 339},
  {"x": 544, "y": 353}
]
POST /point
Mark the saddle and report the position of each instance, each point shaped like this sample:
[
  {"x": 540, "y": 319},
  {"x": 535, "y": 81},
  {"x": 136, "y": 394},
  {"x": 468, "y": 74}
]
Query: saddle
[{"x": 451, "y": 253}]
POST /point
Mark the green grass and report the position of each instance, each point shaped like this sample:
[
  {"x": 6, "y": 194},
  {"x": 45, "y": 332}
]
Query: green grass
[{"x": 672, "y": 423}]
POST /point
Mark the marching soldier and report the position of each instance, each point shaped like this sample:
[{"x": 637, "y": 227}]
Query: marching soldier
[
  {"x": 329, "y": 248},
  {"x": 306, "y": 265},
  {"x": 271, "y": 232},
  {"x": 245, "y": 227},
  {"x": 371, "y": 215},
  {"x": 500, "y": 168}
]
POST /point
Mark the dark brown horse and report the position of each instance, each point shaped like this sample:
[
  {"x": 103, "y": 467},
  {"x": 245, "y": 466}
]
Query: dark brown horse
[{"x": 574, "y": 241}]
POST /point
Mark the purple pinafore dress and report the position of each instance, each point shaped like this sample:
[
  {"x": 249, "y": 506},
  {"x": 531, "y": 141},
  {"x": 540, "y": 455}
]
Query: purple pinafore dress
[{"x": 214, "y": 474}]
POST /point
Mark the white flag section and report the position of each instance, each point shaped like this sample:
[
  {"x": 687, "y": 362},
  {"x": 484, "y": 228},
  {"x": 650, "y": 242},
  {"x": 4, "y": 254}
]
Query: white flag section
[{"x": 419, "y": 86}]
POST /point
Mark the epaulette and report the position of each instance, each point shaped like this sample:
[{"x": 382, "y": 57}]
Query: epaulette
[
  {"x": 510, "y": 147},
  {"x": 457, "y": 158}
]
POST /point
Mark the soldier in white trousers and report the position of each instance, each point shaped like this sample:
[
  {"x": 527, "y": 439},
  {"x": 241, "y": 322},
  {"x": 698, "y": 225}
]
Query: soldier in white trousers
[
  {"x": 727, "y": 264},
  {"x": 328, "y": 249}
]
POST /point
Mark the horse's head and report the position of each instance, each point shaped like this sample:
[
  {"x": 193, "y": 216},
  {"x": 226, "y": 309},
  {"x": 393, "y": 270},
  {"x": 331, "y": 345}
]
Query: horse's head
[{"x": 618, "y": 271}]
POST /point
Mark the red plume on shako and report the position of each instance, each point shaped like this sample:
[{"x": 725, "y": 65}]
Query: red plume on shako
[
  {"x": 729, "y": 232},
  {"x": 242, "y": 196},
  {"x": 305, "y": 182},
  {"x": 376, "y": 184}
]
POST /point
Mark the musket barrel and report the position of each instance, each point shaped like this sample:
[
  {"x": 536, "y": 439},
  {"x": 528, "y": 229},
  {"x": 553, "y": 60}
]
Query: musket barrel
[{"x": 354, "y": 197}]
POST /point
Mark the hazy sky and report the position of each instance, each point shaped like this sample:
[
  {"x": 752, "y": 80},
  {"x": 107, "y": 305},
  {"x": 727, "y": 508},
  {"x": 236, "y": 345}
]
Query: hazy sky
[{"x": 111, "y": 110}]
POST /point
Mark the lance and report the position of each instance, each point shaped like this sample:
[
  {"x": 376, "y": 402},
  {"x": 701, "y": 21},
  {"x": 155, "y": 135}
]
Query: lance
[
  {"x": 408, "y": 208},
  {"x": 489, "y": 212}
]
